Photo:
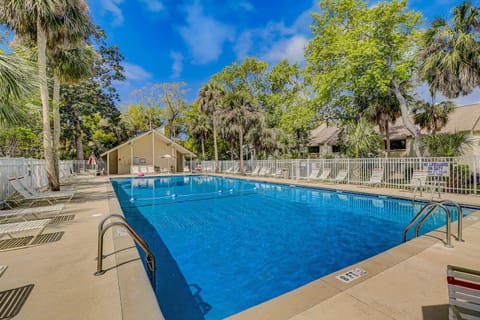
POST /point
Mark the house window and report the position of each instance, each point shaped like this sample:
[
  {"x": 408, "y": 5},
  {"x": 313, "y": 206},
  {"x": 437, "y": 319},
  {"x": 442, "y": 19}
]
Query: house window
[
  {"x": 397, "y": 144},
  {"x": 314, "y": 149},
  {"x": 335, "y": 149}
]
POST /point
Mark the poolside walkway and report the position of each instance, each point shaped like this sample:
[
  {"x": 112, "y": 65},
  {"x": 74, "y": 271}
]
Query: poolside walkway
[{"x": 406, "y": 282}]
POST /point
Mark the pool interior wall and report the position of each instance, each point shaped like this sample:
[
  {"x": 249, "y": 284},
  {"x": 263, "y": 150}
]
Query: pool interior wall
[{"x": 223, "y": 245}]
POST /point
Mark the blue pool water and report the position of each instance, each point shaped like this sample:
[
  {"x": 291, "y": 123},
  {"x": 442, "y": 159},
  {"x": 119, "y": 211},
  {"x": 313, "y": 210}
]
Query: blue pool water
[{"x": 224, "y": 245}]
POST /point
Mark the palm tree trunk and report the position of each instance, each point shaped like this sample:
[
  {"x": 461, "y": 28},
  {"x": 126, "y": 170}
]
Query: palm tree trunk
[
  {"x": 240, "y": 141},
  {"x": 56, "y": 122},
  {"x": 47, "y": 134},
  {"x": 203, "y": 148},
  {"x": 215, "y": 150},
  {"x": 387, "y": 138}
]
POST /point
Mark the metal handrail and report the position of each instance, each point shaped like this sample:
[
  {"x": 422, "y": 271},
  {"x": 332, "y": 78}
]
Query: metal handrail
[
  {"x": 460, "y": 218},
  {"x": 149, "y": 257},
  {"x": 412, "y": 222},
  {"x": 432, "y": 206},
  {"x": 448, "y": 226}
]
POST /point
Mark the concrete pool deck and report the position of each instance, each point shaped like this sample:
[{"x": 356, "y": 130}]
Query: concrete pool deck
[{"x": 406, "y": 282}]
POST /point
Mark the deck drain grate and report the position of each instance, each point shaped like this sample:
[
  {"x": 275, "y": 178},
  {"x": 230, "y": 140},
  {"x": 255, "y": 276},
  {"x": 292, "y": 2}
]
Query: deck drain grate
[
  {"x": 49, "y": 237},
  {"x": 21, "y": 242},
  {"x": 12, "y": 301},
  {"x": 62, "y": 219}
]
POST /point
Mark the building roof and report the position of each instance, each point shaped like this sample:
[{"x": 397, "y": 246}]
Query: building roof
[
  {"x": 462, "y": 119},
  {"x": 176, "y": 146}
]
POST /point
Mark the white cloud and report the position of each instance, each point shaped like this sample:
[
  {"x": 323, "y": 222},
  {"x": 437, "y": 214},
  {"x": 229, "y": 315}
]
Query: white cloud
[
  {"x": 204, "y": 35},
  {"x": 277, "y": 41},
  {"x": 112, "y": 6},
  {"x": 246, "y": 5},
  {"x": 135, "y": 72},
  {"x": 291, "y": 49},
  {"x": 177, "y": 65},
  {"x": 153, "y": 5}
]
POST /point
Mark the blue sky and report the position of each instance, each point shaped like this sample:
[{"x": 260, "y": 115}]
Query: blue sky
[{"x": 169, "y": 40}]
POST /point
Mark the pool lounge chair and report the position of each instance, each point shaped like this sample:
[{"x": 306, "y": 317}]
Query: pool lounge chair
[
  {"x": 417, "y": 182},
  {"x": 463, "y": 292},
  {"x": 264, "y": 172},
  {"x": 278, "y": 173},
  {"x": 34, "y": 228},
  {"x": 341, "y": 176},
  {"x": 150, "y": 169},
  {"x": 34, "y": 196},
  {"x": 325, "y": 174},
  {"x": 376, "y": 177},
  {"x": 255, "y": 171},
  {"x": 313, "y": 175},
  {"x": 35, "y": 212},
  {"x": 134, "y": 170}
]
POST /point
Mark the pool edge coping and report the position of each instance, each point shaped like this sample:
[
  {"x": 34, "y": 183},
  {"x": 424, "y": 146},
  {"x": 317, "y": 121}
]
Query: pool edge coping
[{"x": 138, "y": 300}]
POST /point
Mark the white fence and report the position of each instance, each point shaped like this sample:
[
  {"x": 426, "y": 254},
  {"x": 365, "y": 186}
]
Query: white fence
[
  {"x": 34, "y": 172},
  {"x": 453, "y": 174}
]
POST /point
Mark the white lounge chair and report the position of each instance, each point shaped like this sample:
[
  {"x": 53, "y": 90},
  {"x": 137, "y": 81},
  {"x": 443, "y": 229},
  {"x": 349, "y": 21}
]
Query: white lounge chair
[
  {"x": 35, "y": 212},
  {"x": 278, "y": 173},
  {"x": 35, "y": 196},
  {"x": 417, "y": 182},
  {"x": 325, "y": 174},
  {"x": 376, "y": 177},
  {"x": 341, "y": 176},
  {"x": 134, "y": 170},
  {"x": 142, "y": 169},
  {"x": 266, "y": 172},
  {"x": 150, "y": 169},
  {"x": 186, "y": 169},
  {"x": 464, "y": 293},
  {"x": 313, "y": 175},
  {"x": 34, "y": 228},
  {"x": 255, "y": 171}
]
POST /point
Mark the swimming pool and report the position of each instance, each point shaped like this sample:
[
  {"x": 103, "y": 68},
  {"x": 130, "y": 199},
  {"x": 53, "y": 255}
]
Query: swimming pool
[{"x": 224, "y": 245}]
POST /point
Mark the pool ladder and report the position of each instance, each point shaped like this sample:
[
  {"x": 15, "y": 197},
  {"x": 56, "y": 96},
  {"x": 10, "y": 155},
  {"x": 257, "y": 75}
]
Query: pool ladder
[
  {"x": 431, "y": 206},
  {"x": 102, "y": 228}
]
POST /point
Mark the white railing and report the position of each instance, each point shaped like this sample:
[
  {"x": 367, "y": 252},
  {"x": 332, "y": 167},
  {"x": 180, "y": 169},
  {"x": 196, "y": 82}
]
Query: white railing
[
  {"x": 452, "y": 174},
  {"x": 34, "y": 172}
]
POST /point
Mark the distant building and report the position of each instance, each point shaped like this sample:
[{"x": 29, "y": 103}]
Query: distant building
[
  {"x": 324, "y": 140},
  {"x": 151, "y": 149}
]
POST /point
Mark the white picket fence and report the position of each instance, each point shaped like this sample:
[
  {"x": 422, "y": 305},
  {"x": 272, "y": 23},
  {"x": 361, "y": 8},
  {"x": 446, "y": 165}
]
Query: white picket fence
[
  {"x": 453, "y": 174},
  {"x": 34, "y": 172}
]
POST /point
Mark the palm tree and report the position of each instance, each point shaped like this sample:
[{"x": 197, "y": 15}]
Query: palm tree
[
  {"x": 210, "y": 102},
  {"x": 432, "y": 116},
  {"x": 36, "y": 20},
  {"x": 382, "y": 110},
  {"x": 447, "y": 144},
  {"x": 69, "y": 66},
  {"x": 240, "y": 113},
  {"x": 200, "y": 129},
  {"x": 17, "y": 80},
  {"x": 361, "y": 140},
  {"x": 450, "y": 60}
]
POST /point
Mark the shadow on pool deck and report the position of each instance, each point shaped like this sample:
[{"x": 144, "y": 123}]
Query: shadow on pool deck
[{"x": 173, "y": 293}]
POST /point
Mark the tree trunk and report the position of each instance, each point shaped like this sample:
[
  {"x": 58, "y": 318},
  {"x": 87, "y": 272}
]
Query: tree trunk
[
  {"x": 215, "y": 150},
  {"x": 56, "y": 122},
  {"x": 47, "y": 134},
  {"x": 78, "y": 137},
  {"x": 387, "y": 138},
  {"x": 203, "y": 148},
  {"x": 418, "y": 144},
  {"x": 240, "y": 141}
]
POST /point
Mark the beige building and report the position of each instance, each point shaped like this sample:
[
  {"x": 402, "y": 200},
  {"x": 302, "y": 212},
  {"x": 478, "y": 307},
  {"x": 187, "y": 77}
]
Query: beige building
[
  {"x": 324, "y": 140},
  {"x": 149, "y": 152}
]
